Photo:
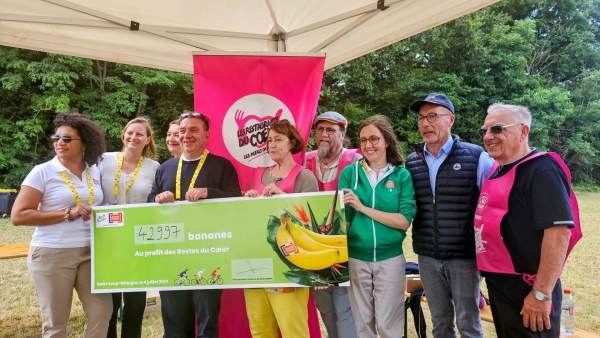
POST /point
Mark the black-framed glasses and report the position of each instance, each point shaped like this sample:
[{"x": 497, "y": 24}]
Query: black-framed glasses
[
  {"x": 329, "y": 130},
  {"x": 65, "y": 138},
  {"x": 372, "y": 139},
  {"x": 430, "y": 117},
  {"x": 497, "y": 129}
]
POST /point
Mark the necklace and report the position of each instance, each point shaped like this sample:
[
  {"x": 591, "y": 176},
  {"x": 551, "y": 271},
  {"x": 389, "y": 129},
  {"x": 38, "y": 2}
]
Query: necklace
[
  {"x": 326, "y": 164},
  {"x": 276, "y": 179}
]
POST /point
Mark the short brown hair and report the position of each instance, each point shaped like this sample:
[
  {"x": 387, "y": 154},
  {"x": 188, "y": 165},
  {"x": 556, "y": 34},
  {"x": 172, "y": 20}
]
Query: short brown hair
[
  {"x": 193, "y": 114},
  {"x": 392, "y": 151},
  {"x": 151, "y": 145},
  {"x": 284, "y": 127}
]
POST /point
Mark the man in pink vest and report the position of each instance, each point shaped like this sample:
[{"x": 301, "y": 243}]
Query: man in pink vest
[
  {"x": 522, "y": 227},
  {"x": 327, "y": 163}
]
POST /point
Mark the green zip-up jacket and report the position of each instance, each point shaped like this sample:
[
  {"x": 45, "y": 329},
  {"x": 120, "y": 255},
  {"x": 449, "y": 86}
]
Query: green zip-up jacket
[{"x": 369, "y": 240}]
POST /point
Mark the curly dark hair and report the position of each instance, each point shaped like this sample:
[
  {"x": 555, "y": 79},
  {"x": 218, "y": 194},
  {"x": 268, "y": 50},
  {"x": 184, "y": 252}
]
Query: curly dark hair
[
  {"x": 92, "y": 136},
  {"x": 392, "y": 151}
]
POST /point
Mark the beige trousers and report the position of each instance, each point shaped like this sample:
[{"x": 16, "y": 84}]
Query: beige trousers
[
  {"x": 55, "y": 272},
  {"x": 377, "y": 296}
]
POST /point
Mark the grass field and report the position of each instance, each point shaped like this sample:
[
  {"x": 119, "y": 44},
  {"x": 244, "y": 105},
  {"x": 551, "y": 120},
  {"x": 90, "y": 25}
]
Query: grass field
[{"x": 20, "y": 316}]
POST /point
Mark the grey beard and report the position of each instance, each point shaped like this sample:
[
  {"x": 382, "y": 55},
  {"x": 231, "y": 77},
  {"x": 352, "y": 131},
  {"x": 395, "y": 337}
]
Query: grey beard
[{"x": 324, "y": 152}]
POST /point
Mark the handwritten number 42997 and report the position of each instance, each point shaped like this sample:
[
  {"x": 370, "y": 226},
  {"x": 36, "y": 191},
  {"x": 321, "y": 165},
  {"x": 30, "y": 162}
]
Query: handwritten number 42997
[{"x": 161, "y": 231}]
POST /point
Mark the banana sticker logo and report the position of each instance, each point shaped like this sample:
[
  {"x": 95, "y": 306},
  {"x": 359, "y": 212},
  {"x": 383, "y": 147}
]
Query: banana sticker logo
[{"x": 308, "y": 250}]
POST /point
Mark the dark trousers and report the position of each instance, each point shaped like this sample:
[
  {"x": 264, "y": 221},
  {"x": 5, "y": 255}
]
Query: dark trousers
[
  {"x": 134, "y": 304},
  {"x": 506, "y": 307},
  {"x": 178, "y": 309}
]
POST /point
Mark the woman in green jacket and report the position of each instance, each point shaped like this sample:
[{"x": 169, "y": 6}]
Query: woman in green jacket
[{"x": 380, "y": 205}]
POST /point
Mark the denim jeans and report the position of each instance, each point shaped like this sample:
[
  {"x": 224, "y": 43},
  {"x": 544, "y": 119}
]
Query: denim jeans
[
  {"x": 334, "y": 305},
  {"x": 452, "y": 285}
]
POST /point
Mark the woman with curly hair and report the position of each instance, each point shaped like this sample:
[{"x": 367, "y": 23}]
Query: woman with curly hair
[
  {"x": 127, "y": 177},
  {"x": 57, "y": 197}
]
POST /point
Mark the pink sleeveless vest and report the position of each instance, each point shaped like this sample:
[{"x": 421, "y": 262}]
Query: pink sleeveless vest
[
  {"x": 345, "y": 160},
  {"x": 492, "y": 254},
  {"x": 287, "y": 184}
]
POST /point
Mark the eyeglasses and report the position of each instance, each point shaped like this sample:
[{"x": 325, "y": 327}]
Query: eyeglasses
[
  {"x": 329, "y": 130},
  {"x": 430, "y": 118},
  {"x": 373, "y": 139},
  {"x": 65, "y": 138},
  {"x": 497, "y": 129}
]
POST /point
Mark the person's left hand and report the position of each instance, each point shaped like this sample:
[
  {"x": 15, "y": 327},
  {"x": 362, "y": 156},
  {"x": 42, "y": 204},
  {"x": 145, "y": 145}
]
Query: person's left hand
[
  {"x": 196, "y": 194},
  {"x": 352, "y": 200},
  {"x": 536, "y": 314},
  {"x": 271, "y": 190}
]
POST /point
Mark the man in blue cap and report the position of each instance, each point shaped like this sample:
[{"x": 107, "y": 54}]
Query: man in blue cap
[
  {"x": 327, "y": 162},
  {"x": 447, "y": 175}
]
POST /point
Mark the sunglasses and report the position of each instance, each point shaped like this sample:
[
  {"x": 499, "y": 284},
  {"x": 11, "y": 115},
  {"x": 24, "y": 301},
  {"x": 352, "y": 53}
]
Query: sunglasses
[
  {"x": 65, "y": 138},
  {"x": 188, "y": 114},
  {"x": 201, "y": 116},
  {"x": 497, "y": 129},
  {"x": 373, "y": 139}
]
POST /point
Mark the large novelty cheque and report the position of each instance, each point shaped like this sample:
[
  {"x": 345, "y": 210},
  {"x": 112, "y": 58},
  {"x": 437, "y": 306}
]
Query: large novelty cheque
[{"x": 283, "y": 240}]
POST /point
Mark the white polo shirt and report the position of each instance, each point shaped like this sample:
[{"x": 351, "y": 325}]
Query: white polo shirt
[{"x": 56, "y": 195}]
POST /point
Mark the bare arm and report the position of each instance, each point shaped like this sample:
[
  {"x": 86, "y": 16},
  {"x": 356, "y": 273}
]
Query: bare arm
[
  {"x": 391, "y": 219},
  {"x": 536, "y": 314},
  {"x": 25, "y": 210}
]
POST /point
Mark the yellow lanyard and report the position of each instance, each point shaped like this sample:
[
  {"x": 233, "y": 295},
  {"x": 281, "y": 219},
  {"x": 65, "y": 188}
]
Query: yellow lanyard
[
  {"x": 75, "y": 193},
  {"x": 118, "y": 174},
  {"x": 193, "y": 181}
]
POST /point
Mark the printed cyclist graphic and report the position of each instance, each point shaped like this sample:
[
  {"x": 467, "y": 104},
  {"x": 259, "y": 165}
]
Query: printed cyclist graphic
[{"x": 183, "y": 279}]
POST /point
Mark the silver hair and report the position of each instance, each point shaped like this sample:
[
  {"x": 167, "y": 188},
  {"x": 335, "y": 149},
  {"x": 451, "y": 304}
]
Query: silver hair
[{"x": 521, "y": 113}]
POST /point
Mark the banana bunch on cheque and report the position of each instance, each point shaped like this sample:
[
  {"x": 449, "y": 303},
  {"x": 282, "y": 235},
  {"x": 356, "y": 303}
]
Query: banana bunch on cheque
[{"x": 309, "y": 250}]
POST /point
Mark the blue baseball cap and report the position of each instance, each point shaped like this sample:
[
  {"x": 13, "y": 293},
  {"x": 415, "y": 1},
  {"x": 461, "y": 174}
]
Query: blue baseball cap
[
  {"x": 434, "y": 98},
  {"x": 332, "y": 117}
]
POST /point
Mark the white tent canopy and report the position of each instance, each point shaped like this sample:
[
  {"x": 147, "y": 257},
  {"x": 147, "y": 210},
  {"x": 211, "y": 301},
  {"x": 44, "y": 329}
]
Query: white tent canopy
[{"x": 164, "y": 33}]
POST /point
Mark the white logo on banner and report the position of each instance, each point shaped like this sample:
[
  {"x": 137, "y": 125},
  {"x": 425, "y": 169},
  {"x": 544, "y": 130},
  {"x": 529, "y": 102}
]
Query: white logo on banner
[{"x": 249, "y": 119}]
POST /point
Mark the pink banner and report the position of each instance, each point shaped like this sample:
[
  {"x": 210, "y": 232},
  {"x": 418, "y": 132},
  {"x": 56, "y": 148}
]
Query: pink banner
[{"x": 242, "y": 94}]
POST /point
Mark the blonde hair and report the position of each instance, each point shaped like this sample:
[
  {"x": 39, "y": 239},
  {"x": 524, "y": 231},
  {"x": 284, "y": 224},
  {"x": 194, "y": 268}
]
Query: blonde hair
[{"x": 150, "y": 146}]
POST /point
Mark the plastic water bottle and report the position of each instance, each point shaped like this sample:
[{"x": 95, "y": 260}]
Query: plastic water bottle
[{"x": 567, "y": 314}]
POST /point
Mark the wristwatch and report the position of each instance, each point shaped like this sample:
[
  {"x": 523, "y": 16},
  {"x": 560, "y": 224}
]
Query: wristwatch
[{"x": 542, "y": 297}]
